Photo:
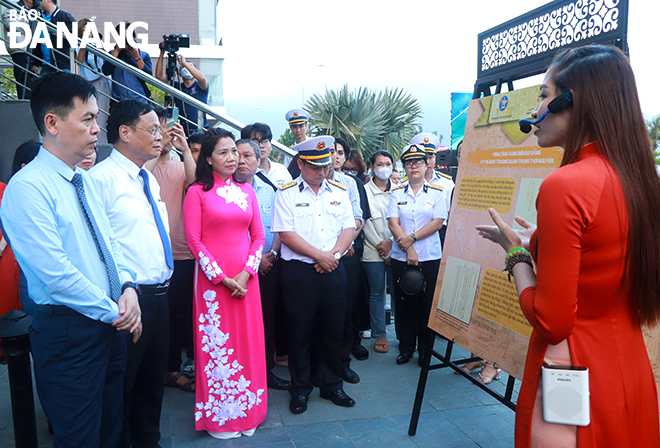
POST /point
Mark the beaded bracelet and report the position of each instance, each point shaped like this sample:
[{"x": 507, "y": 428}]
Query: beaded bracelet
[
  {"x": 515, "y": 256},
  {"x": 515, "y": 250}
]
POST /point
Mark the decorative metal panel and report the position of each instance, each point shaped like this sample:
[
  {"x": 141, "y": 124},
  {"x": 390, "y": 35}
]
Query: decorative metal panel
[{"x": 530, "y": 41}]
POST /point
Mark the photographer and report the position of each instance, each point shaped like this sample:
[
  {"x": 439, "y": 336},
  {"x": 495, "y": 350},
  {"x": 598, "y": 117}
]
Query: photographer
[
  {"x": 136, "y": 58},
  {"x": 20, "y": 56},
  {"x": 59, "y": 58},
  {"x": 194, "y": 84}
]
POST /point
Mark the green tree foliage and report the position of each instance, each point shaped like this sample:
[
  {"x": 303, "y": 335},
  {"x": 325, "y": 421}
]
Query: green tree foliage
[
  {"x": 157, "y": 95},
  {"x": 653, "y": 126},
  {"x": 287, "y": 139},
  {"x": 7, "y": 82},
  {"x": 367, "y": 120}
]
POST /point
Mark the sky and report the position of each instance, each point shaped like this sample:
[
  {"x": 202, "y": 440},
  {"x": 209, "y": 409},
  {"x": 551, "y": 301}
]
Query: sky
[{"x": 279, "y": 54}]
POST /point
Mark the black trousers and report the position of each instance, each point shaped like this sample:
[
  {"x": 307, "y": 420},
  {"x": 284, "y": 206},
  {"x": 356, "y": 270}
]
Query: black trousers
[
  {"x": 22, "y": 75},
  {"x": 272, "y": 306},
  {"x": 412, "y": 312},
  {"x": 354, "y": 294},
  {"x": 144, "y": 382},
  {"x": 79, "y": 368},
  {"x": 315, "y": 307},
  {"x": 180, "y": 298}
]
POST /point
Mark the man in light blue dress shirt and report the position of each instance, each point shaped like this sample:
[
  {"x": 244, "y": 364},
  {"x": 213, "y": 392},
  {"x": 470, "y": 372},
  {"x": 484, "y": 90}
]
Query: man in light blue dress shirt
[{"x": 55, "y": 223}]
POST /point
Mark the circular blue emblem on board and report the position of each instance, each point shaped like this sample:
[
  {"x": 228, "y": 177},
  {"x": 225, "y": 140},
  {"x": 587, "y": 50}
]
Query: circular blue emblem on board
[{"x": 504, "y": 102}]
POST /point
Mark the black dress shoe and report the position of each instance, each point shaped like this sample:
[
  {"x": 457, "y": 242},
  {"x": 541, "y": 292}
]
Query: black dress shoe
[
  {"x": 360, "y": 352},
  {"x": 403, "y": 358},
  {"x": 338, "y": 397},
  {"x": 275, "y": 382},
  {"x": 298, "y": 404},
  {"x": 349, "y": 375},
  {"x": 316, "y": 378}
]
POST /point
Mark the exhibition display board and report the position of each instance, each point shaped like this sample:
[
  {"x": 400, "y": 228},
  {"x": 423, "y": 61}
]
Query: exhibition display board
[{"x": 475, "y": 305}]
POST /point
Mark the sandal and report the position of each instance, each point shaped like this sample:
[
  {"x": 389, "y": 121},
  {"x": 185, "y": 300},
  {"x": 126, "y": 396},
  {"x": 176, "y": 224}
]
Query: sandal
[
  {"x": 173, "y": 381},
  {"x": 489, "y": 373},
  {"x": 381, "y": 345},
  {"x": 472, "y": 366}
]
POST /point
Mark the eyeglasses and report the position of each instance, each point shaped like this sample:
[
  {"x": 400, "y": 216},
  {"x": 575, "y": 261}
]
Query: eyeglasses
[
  {"x": 154, "y": 131},
  {"x": 418, "y": 162},
  {"x": 261, "y": 142}
]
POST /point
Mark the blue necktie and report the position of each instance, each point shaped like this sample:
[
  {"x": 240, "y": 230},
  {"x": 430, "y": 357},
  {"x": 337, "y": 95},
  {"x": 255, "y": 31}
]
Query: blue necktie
[
  {"x": 159, "y": 222},
  {"x": 106, "y": 256}
]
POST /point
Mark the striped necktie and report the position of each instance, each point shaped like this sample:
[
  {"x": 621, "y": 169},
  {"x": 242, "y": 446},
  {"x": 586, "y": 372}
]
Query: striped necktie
[{"x": 104, "y": 252}]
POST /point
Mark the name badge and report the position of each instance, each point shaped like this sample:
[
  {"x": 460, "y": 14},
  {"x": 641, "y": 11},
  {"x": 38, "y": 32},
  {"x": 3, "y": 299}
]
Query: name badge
[
  {"x": 402, "y": 203},
  {"x": 302, "y": 204}
]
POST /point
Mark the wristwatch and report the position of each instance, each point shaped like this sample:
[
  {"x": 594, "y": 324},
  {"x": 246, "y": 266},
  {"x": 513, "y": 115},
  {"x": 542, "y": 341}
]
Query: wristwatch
[
  {"x": 337, "y": 255},
  {"x": 129, "y": 285},
  {"x": 274, "y": 253},
  {"x": 414, "y": 237}
]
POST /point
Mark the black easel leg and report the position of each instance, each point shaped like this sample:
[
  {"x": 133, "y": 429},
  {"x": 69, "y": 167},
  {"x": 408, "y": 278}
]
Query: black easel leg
[{"x": 421, "y": 386}]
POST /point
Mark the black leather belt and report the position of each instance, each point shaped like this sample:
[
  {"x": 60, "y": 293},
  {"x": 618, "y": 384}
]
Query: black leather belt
[
  {"x": 56, "y": 310},
  {"x": 156, "y": 290}
]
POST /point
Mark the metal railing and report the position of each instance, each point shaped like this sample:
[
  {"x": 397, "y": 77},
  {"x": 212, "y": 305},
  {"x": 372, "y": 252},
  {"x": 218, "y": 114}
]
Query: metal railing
[{"x": 169, "y": 90}]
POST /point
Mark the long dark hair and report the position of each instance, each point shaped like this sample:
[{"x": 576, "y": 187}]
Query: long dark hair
[
  {"x": 606, "y": 106},
  {"x": 204, "y": 172}
]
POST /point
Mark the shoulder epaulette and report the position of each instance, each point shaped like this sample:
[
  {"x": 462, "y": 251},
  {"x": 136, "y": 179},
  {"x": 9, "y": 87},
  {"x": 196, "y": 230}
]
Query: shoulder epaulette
[
  {"x": 445, "y": 175},
  {"x": 436, "y": 187},
  {"x": 337, "y": 184},
  {"x": 398, "y": 187},
  {"x": 287, "y": 185},
  {"x": 405, "y": 179}
]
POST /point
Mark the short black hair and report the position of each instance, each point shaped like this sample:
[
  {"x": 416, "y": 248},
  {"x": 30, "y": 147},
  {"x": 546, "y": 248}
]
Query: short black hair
[
  {"x": 55, "y": 93},
  {"x": 195, "y": 137},
  {"x": 381, "y": 152},
  {"x": 24, "y": 154},
  {"x": 263, "y": 129},
  {"x": 293, "y": 167},
  {"x": 246, "y": 132},
  {"x": 124, "y": 112},
  {"x": 203, "y": 172},
  {"x": 160, "y": 111}
]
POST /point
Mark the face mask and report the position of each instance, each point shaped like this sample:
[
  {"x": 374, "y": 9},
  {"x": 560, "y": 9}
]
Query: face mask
[{"x": 383, "y": 173}]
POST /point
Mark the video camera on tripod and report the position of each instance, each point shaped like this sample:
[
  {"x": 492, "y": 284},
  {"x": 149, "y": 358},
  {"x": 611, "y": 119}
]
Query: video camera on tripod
[{"x": 173, "y": 42}]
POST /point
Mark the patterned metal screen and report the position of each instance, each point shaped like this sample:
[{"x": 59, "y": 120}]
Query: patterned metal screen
[{"x": 526, "y": 45}]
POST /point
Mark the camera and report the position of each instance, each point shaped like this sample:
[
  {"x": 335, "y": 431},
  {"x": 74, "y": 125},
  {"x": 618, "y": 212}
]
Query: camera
[{"x": 173, "y": 42}]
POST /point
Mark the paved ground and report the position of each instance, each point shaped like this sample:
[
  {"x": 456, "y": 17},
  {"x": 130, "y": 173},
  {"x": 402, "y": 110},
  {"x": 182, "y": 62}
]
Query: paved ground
[{"x": 455, "y": 413}]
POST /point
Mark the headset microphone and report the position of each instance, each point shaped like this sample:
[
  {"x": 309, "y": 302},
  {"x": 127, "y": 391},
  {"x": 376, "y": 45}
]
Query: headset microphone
[{"x": 563, "y": 101}]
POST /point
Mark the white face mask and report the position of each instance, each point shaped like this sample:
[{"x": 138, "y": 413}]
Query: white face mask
[{"x": 383, "y": 173}]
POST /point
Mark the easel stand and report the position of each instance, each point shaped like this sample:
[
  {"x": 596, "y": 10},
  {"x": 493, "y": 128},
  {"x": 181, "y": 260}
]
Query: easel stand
[{"x": 445, "y": 361}]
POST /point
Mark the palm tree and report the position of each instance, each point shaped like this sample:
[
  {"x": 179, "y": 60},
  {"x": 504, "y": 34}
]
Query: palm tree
[
  {"x": 366, "y": 120},
  {"x": 653, "y": 126},
  {"x": 401, "y": 112}
]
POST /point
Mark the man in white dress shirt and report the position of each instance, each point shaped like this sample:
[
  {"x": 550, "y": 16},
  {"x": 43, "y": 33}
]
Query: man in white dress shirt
[{"x": 131, "y": 197}]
